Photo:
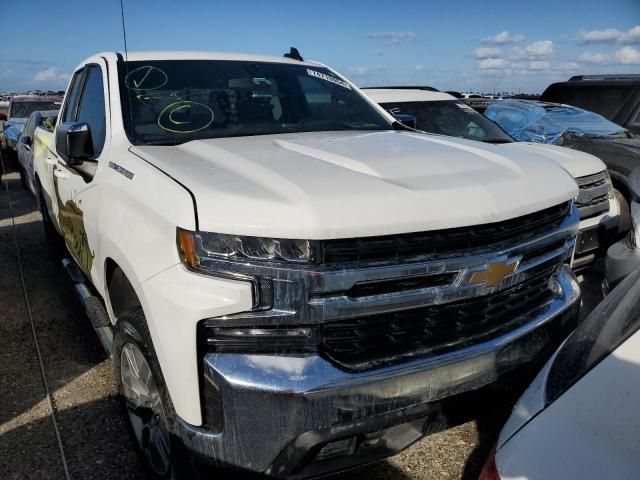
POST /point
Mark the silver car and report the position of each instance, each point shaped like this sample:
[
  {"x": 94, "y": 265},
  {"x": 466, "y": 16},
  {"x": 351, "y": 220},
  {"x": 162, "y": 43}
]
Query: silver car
[{"x": 26, "y": 145}]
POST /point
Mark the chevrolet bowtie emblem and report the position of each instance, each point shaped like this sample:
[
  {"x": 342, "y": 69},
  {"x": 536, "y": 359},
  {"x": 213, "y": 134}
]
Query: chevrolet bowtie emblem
[{"x": 495, "y": 274}]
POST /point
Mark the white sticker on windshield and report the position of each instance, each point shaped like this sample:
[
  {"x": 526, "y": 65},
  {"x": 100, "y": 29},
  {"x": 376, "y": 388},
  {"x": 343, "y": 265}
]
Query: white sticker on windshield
[{"x": 328, "y": 78}]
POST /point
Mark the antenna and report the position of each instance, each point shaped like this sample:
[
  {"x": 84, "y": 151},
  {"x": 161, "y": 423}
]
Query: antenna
[{"x": 124, "y": 32}]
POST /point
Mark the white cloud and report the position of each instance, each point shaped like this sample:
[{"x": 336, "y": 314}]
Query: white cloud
[
  {"x": 493, "y": 64},
  {"x": 418, "y": 68},
  {"x": 538, "y": 65},
  {"x": 516, "y": 53},
  {"x": 630, "y": 36},
  {"x": 394, "y": 38},
  {"x": 569, "y": 66},
  {"x": 487, "y": 52},
  {"x": 358, "y": 71},
  {"x": 611, "y": 35},
  {"x": 533, "y": 51},
  {"x": 504, "y": 37},
  {"x": 51, "y": 75},
  {"x": 597, "y": 58},
  {"x": 542, "y": 48},
  {"x": 623, "y": 56},
  {"x": 517, "y": 59},
  {"x": 628, "y": 56},
  {"x": 597, "y": 36}
]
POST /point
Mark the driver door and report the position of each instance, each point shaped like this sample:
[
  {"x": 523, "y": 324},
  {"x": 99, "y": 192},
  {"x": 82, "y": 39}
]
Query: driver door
[{"x": 76, "y": 192}]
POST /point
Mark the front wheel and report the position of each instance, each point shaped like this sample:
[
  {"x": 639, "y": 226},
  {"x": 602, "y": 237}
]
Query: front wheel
[
  {"x": 150, "y": 415},
  {"x": 145, "y": 399}
]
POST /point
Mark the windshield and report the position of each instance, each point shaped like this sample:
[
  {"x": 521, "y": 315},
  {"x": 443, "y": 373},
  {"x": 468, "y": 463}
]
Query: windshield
[
  {"x": 605, "y": 100},
  {"x": 24, "y": 109},
  {"x": 450, "y": 117},
  {"x": 174, "y": 101}
]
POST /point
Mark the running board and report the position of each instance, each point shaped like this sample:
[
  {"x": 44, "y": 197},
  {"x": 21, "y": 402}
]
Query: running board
[{"x": 93, "y": 305}]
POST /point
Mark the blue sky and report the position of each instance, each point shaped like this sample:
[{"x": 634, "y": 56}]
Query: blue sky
[{"x": 463, "y": 45}]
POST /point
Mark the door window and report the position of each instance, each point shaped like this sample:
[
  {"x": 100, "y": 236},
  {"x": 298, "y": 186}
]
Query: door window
[
  {"x": 72, "y": 98},
  {"x": 91, "y": 109}
]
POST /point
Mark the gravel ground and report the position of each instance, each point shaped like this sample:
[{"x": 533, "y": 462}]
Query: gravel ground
[{"x": 93, "y": 442}]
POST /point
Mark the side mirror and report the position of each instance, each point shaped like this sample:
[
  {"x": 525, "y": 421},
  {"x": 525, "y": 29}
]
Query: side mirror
[
  {"x": 74, "y": 143},
  {"x": 634, "y": 183},
  {"x": 25, "y": 140},
  {"x": 406, "y": 119}
]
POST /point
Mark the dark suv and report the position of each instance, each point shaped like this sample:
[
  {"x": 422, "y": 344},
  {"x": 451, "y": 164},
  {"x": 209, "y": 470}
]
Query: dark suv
[{"x": 615, "y": 97}]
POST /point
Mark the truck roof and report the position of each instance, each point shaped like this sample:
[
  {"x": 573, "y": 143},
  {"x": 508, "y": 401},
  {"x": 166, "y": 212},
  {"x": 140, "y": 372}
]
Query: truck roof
[
  {"x": 190, "y": 55},
  {"x": 35, "y": 98},
  {"x": 388, "y": 95}
]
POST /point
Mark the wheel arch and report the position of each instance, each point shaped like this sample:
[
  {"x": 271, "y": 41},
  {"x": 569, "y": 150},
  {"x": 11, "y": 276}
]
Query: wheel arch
[{"x": 120, "y": 292}]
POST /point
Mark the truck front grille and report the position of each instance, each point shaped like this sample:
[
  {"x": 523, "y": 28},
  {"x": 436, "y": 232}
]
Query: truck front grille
[
  {"x": 593, "y": 197},
  {"x": 387, "y": 299},
  {"x": 443, "y": 242},
  {"x": 370, "y": 341}
]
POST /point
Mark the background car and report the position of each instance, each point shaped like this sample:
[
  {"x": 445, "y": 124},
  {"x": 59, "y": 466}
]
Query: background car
[
  {"x": 602, "y": 217},
  {"x": 623, "y": 257},
  {"x": 615, "y": 97},
  {"x": 20, "y": 107},
  {"x": 572, "y": 127},
  {"x": 27, "y": 144},
  {"x": 579, "y": 419}
]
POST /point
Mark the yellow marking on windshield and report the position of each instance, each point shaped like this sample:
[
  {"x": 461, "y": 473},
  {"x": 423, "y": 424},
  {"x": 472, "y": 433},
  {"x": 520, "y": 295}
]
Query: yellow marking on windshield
[
  {"x": 172, "y": 108},
  {"x": 136, "y": 83}
]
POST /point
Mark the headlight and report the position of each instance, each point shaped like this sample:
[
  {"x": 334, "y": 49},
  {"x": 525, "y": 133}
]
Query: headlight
[
  {"x": 607, "y": 178},
  {"x": 632, "y": 240},
  {"x": 272, "y": 340},
  {"x": 196, "y": 247}
]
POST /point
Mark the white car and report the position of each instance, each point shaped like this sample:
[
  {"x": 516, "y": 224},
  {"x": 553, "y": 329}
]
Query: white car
[
  {"x": 579, "y": 419},
  {"x": 601, "y": 215},
  {"x": 288, "y": 278}
]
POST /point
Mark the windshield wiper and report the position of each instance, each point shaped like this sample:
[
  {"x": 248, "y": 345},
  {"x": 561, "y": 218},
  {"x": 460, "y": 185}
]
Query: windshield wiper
[
  {"x": 167, "y": 142},
  {"x": 497, "y": 141},
  {"x": 401, "y": 126}
]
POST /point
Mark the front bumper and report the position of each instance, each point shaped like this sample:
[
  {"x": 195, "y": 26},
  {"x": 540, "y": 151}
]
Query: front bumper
[
  {"x": 596, "y": 234},
  {"x": 282, "y": 413},
  {"x": 621, "y": 258}
]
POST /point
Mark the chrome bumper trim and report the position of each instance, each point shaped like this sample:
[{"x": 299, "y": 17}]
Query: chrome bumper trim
[
  {"x": 317, "y": 294},
  {"x": 270, "y": 402}
]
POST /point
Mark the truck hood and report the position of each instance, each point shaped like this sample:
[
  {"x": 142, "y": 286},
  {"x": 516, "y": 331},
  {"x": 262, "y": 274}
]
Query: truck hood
[
  {"x": 325, "y": 185},
  {"x": 577, "y": 163}
]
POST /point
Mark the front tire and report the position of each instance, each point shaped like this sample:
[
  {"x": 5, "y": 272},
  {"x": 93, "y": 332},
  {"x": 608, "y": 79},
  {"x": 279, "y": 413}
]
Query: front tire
[{"x": 145, "y": 399}]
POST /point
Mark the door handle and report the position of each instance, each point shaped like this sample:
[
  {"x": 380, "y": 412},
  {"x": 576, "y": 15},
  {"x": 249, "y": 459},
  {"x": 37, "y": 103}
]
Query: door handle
[
  {"x": 60, "y": 173},
  {"x": 51, "y": 161}
]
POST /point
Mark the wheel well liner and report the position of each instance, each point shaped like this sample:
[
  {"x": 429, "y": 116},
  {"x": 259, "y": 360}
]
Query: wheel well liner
[{"x": 122, "y": 295}]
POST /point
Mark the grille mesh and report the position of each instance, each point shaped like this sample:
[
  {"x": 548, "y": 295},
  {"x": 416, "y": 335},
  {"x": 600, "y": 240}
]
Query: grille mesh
[
  {"x": 366, "y": 342},
  {"x": 593, "y": 197},
  {"x": 455, "y": 241}
]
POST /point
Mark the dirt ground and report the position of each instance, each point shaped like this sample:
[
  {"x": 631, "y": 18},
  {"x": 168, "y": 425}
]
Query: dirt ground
[{"x": 60, "y": 418}]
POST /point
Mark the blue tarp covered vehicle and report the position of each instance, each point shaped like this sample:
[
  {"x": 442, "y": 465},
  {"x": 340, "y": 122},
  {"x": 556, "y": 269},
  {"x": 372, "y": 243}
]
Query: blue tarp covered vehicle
[{"x": 540, "y": 122}]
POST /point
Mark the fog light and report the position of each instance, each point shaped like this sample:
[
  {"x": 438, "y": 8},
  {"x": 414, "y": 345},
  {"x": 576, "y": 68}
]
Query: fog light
[
  {"x": 555, "y": 287},
  {"x": 338, "y": 448}
]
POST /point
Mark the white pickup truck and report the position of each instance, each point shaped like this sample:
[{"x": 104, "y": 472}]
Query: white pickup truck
[{"x": 289, "y": 280}]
